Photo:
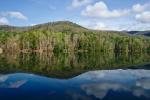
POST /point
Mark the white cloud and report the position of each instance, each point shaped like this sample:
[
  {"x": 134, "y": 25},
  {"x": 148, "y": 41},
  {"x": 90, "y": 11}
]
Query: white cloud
[
  {"x": 101, "y": 82},
  {"x": 3, "y": 78},
  {"x": 116, "y": 74},
  {"x": 32, "y": 24},
  {"x": 99, "y": 26},
  {"x": 137, "y": 17},
  {"x": 96, "y": 26},
  {"x": 100, "y": 10},
  {"x": 79, "y": 3},
  {"x": 142, "y": 12},
  {"x": 16, "y": 14},
  {"x": 117, "y": 24},
  {"x": 140, "y": 8},
  {"x": 11, "y": 14},
  {"x": 100, "y": 90},
  {"x": 17, "y": 84},
  {"x": 3, "y": 21},
  {"x": 143, "y": 17},
  {"x": 144, "y": 83}
]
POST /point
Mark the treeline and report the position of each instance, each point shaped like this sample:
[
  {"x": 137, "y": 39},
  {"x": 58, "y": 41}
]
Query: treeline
[{"x": 67, "y": 41}]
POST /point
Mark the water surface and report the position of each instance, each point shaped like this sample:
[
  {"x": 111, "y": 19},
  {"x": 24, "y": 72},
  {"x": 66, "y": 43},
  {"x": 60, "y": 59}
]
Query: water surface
[
  {"x": 80, "y": 76},
  {"x": 93, "y": 85}
]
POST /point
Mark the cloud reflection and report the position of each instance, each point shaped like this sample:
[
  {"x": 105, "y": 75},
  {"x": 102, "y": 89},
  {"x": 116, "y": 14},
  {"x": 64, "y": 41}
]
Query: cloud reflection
[
  {"x": 6, "y": 83},
  {"x": 144, "y": 83},
  {"x": 3, "y": 78},
  {"x": 100, "y": 90},
  {"x": 17, "y": 84},
  {"x": 136, "y": 82}
]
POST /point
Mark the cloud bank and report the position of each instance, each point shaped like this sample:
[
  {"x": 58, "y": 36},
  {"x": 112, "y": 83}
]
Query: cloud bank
[
  {"x": 100, "y": 10},
  {"x": 11, "y": 14}
]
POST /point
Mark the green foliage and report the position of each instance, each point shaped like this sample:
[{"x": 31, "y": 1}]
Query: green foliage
[{"x": 69, "y": 37}]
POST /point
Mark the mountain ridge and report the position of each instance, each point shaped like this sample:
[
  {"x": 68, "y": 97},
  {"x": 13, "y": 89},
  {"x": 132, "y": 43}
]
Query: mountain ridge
[
  {"x": 52, "y": 26},
  {"x": 146, "y": 32},
  {"x": 63, "y": 26}
]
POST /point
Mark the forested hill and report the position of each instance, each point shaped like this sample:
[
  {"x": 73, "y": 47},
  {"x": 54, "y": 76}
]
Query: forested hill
[
  {"x": 64, "y": 36},
  {"x": 59, "y": 26}
]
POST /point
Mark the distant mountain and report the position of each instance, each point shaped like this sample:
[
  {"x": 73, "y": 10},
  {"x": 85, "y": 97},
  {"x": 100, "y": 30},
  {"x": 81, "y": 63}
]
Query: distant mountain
[{"x": 146, "y": 33}]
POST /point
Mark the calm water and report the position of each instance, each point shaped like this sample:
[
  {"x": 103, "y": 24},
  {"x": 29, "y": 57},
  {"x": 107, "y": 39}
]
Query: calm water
[
  {"x": 74, "y": 77},
  {"x": 92, "y": 85}
]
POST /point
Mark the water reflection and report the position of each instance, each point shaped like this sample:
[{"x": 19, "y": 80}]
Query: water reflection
[
  {"x": 69, "y": 65},
  {"x": 59, "y": 76},
  {"x": 135, "y": 82},
  {"x": 93, "y": 85}
]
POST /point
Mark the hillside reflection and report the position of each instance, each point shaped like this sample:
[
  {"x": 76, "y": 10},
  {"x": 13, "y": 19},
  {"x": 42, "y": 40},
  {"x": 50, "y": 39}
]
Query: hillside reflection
[{"x": 65, "y": 65}]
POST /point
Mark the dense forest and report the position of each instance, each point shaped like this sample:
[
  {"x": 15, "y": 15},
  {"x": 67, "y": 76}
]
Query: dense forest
[{"x": 68, "y": 37}]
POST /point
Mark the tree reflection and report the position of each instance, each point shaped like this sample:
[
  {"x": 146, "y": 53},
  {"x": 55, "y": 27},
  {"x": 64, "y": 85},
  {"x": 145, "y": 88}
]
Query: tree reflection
[{"x": 65, "y": 65}]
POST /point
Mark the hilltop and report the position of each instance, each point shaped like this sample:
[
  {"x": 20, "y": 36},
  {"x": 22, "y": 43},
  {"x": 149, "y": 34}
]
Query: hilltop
[
  {"x": 59, "y": 26},
  {"x": 63, "y": 26},
  {"x": 65, "y": 36}
]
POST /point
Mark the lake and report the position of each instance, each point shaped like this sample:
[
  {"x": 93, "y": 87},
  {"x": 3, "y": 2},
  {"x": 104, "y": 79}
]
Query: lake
[{"x": 78, "y": 76}]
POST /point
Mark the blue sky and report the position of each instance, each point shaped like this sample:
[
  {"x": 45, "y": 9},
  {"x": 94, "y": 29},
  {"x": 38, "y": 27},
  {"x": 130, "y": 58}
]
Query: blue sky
[{"x": 94, "y": 14}]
